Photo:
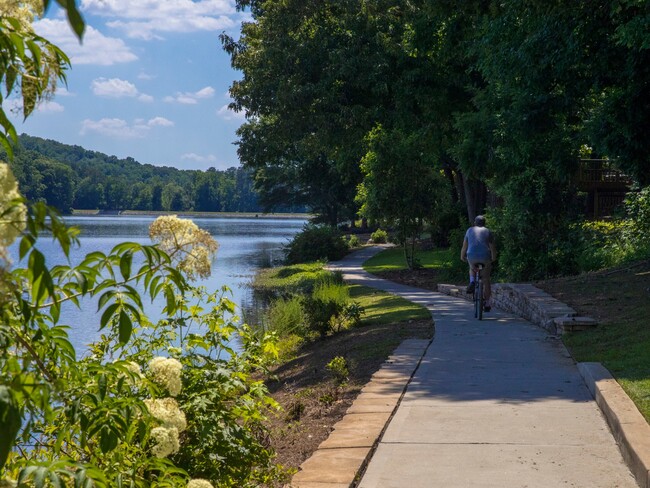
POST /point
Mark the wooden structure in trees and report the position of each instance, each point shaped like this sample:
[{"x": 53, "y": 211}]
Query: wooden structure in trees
[{"x": 605, "y": 185}]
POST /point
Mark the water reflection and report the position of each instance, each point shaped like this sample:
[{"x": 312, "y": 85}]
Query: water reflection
[{"x": 245, "y": 245}]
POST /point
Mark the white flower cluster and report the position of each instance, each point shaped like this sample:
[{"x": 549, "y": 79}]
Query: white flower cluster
[
  {"x": 24, "y": 11},
  {"x": 166, "y": 441},
  {"x": 192, "y": 248},
  {"x": 12, "y": 217},
  {"x": 166, "y": 372},
  {"x": 168, "y": 412},
  {"x": 198, "y": 483}
]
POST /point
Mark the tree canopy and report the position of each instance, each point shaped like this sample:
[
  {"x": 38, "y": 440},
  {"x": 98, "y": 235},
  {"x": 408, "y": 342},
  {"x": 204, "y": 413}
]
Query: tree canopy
[{"x": 497, "y": 97}]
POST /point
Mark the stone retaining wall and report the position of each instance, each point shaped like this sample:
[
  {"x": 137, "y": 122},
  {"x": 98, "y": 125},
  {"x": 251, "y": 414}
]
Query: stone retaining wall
[{"x": 531, "y": 303}]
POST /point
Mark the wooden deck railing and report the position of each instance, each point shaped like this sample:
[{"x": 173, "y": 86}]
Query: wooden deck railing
[{"x": 594, "y": 171}]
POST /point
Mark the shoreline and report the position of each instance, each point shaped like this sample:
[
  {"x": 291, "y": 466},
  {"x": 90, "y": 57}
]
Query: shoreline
[{"x": 151, "y": 213}]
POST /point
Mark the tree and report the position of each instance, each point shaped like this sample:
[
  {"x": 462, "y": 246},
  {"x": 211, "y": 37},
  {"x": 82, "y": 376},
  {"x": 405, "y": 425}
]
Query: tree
[
  {"x": 401, "y": 186},
  {"x": 307, "y": 112}
]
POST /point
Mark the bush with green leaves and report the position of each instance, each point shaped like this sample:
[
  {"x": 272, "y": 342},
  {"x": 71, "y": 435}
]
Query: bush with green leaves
[
  {"x": 637, "y": 208},
  {"x": 285, "y": 316},
  {"x": 151, "y": 404},
  {"x": 316, "y": 242},
  {"x": 613, "y": 242},
  {"x": 329, "y": 309},
  {"x": 338, "y": 368},
  {"x": 353, "y": 241},
  {"x": 379, "y": 236}
]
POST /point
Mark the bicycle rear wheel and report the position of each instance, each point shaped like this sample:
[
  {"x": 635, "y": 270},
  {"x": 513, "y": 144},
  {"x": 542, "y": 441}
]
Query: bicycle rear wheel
[
  {"x": 480, "y": 301},
  {"x": 475, "y": 297}
]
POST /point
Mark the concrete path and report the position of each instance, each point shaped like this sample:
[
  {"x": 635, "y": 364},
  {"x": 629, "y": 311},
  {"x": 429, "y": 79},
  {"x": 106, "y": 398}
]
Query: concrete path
[{"x": 494, "y": 403}]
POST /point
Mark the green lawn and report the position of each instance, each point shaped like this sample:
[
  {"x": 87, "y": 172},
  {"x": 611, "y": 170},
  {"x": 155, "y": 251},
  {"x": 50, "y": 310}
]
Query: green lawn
[
  {"x": 383, "y": 308},
  {"x": 392, "y": 259}
]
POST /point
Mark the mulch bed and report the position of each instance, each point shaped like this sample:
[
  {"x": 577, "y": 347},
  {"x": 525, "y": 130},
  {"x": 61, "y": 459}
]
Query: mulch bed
[{"x": 311, "y": 398}]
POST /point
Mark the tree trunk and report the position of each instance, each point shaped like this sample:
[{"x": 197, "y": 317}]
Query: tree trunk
[{"x": 475, "y": 197}]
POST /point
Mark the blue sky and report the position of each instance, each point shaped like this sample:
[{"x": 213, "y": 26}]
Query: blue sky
[{"x": 150, "y": 81}]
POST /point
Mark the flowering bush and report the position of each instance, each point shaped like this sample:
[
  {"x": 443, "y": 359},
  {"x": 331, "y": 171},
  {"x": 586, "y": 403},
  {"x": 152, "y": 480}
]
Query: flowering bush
[{"x": 99, "y": 420}]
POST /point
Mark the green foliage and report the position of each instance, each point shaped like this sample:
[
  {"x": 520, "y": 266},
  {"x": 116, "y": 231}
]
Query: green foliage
[
  {"x": 353, "y": 241},
  {"x": 91, "y": 421},
  {"x": 285, "y": 316},
  {"x": 296, "y": 278},
  {"x": 379, "y": 236},
  {"x": 610, "y": 243},
  {"x": 329, "y": 309},
  {"x": 29, "y": 64},
  {"x": 68, "y": 177},
  {"x": 316, "y": 242},
  {"x": 637, "y": 208},
  {"x": 338, "y": 368}
]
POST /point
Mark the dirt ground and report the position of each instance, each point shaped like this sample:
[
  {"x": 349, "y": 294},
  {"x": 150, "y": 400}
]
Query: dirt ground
[
  {"x": 610, "y": 295},
  {"x": 313, "y": 400},
  {"x": 427, "y": 279}
]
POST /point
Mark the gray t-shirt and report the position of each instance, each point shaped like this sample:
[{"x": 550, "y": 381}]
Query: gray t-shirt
[{"x": 478, "y": 241}]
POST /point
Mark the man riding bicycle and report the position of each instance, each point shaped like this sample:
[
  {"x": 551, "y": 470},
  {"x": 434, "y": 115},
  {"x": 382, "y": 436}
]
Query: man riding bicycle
[{"x": 479, "y": 248}]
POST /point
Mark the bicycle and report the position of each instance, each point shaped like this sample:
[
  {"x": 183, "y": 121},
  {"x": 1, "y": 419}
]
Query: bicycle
[{"x": 479, "y": 300}]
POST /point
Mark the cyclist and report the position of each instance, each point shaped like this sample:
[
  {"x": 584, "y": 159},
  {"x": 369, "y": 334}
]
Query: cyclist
[{"x": 478, "y": 247}]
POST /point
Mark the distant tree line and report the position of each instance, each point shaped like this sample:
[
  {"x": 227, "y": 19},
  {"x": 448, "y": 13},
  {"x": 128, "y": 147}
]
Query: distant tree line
[
  {"x": 71, "y": 177},
  {"x": 414, "y": 111}
]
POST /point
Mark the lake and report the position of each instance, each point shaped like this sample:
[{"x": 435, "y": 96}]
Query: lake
[{"x": 245, "y": 245}]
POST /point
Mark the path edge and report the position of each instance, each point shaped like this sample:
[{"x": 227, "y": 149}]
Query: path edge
[{"x": 629, "y": 427}]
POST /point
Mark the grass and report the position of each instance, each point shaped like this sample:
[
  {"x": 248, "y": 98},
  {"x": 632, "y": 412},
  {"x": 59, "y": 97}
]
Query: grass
[
  {"x": 294, "y": 278},
  {"x": 393, "y": 259},
  {"x": 384, "y": 308},
  {"x": 620, "y": 300}
]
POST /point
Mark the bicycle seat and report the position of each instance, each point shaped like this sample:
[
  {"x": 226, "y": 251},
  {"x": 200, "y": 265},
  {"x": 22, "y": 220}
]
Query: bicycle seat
[{"x": 479, "y": 265}]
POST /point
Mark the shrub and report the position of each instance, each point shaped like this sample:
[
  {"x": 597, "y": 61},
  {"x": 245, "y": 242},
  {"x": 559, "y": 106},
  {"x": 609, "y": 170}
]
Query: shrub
[
  {"x": 353, "y": 241},
  {"x": 288, "y": 347},
  {"x": 601, "y": 244},
  {"x": 637, "y": 207},
  {"x": 329, "y": 309},
  {"x": 314, "y": 243},
  {"x": 286, "y": 316},
  {"x": 379, "y": 236},
  {"x": 338, "y": 368}
]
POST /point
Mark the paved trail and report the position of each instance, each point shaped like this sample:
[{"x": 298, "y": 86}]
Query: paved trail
[{"x": 497, "y": 403}]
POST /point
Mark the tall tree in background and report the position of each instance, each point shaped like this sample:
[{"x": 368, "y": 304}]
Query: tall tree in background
[{"x": 308, "y": 90}]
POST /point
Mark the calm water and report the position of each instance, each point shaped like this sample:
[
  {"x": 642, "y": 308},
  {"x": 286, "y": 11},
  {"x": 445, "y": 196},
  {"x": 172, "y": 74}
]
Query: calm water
[{"x": 245, "y": 245}]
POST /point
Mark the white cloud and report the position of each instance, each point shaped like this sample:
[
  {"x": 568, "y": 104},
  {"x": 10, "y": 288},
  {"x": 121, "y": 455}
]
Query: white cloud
[
  {"x": 188, "y": 98},
  {"x": 113, "y": 88},
  {"x": 50, "y": 107},
  {"x": 145, "y": 76},
  {"x": 227, "y": 114},
  {"x": 210, "y": 158},
  {"x": 96, "y": 49},
  {"x": 160, "y": 122},
  {"x": 116, "y": 88},
  {"x": 121, "y": 129},
  {"x": 146, "y": 19},
  {"x": 62, "y": 91}
]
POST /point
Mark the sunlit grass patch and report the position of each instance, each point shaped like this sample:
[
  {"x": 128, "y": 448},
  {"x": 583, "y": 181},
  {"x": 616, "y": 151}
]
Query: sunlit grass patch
[
  {"x": 383, "y": 308},
  {"x": 293, "y": 279},
  {"x": 393, "y": 259}
]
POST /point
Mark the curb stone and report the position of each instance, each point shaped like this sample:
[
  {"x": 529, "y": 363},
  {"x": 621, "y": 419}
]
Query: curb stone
[
  {"x": 340, "y": 459},
  {"x": 630, "y": 428},
  {"x": 531, "y": 303}
]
